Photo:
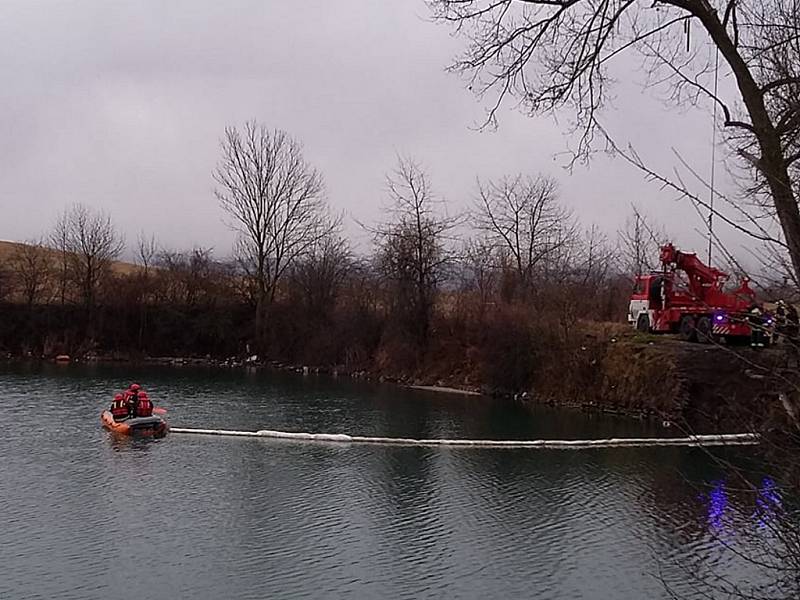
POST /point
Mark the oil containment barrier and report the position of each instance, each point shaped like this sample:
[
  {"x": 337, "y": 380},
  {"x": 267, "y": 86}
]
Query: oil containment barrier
[{"x": 729, "y": 439}]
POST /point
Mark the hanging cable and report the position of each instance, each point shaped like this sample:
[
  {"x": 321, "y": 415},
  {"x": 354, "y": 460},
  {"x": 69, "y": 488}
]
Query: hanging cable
[{"x": 713, "y": 157}]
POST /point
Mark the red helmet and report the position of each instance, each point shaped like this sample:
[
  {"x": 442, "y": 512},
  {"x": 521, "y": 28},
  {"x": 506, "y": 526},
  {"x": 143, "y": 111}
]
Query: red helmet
[
  {"x": 135, "y": 387},
  {"x": 143, "y": 394},
  {"x": 118, "y": 397}
]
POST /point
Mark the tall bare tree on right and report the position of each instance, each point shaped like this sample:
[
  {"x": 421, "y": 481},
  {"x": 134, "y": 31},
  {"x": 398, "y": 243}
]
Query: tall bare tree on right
[{"x": 550, "y": 54}]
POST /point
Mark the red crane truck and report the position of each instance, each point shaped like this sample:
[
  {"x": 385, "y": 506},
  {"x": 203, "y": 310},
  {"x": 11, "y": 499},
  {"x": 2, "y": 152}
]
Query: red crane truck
[{"x": 700, "y": 311}]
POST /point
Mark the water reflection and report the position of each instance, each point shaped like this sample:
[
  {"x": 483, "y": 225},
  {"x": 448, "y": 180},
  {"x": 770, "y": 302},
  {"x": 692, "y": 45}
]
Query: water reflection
[
  {"x": 764, "y": 496},
  {"x": 717, "y": 505},
  {"x": 215, "y": 518},
  {"x": 769, "y": 504},
  {"x": 122, "y": 443}
]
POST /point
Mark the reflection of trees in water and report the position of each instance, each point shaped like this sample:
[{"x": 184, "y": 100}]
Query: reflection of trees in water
[
  {"x": 564, "y": 514},
  {"x": 717, "y": 502},
  {"x": 529, "y": 505},
  {"x": 769, "y": 504},
  {"x": 398, "y": 505}
]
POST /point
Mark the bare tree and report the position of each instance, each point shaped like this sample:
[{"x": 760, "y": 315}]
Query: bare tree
[
  {"x": 592, "y": 270},
  {"x": 319, "y": 275},
  {"x": 30, "y": 264},
  {"x": 6, "y": 283},
  {"x": 171, "y": 265},
  {"x": 522, "y": 215},
  {"x": 594, "y": 260},
  {"x": 199, "y": 276},
  {"x": 59, "y": 240},
  {"x": 90, "y": 244},
  {"x": 639, "y": 244},
  {"x": 480, "y": 267},
  {"x": 147, "y": 253},
  {"x": 275, "y": 201},
  {"x": 776, "y": 273},
  {"x": 557, "y": 53},
  {"x": 188, "y": 277},
  {"x": 412, "y": 251}
]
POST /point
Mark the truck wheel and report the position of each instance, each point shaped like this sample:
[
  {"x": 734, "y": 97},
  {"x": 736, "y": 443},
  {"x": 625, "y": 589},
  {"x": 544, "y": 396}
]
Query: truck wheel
[
  {"x": 687, "y": 329},
  {"x": 705, "y": 332},
  {"x": 643, "y": 323}
]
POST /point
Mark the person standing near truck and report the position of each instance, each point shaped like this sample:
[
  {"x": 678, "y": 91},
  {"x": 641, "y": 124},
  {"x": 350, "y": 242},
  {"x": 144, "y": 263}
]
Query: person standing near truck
[
  {"x": 756, "y": 321},
  {"x": 779, "y": 326},
  {"x": 792, "y": 325}
]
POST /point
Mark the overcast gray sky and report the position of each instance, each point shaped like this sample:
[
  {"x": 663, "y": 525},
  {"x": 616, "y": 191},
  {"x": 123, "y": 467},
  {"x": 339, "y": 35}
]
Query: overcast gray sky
[{"x": 121, "y": 105}]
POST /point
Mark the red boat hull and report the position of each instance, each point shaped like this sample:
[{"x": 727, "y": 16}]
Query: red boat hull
[{"x": 140, "y": 427}]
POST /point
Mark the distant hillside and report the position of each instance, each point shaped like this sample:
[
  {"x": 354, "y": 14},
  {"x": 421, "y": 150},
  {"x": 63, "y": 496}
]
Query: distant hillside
[{"x": 8, "y": 249}]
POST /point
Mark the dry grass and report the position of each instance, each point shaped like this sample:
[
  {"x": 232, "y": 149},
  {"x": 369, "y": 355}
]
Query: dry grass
[
  {"x": 8, "y": 252},
  {"x": 9, "y": 249}
]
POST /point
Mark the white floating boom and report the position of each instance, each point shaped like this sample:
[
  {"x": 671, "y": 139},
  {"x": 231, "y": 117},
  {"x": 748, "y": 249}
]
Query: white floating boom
[{"x": 727, "y": 439}]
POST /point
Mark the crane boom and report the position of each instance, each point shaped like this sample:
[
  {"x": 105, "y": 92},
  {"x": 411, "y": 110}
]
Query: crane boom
[{"x": 702, "y": 278}]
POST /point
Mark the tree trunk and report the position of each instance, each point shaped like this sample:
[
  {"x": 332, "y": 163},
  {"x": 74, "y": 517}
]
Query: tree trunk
[
  {"x": 142, "y": 324},
  {"x": 772, "y": 163},
  {"x": 259, "y": 325}
]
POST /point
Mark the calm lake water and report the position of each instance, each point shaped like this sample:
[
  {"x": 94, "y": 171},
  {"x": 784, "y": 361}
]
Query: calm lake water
[{"x": 86, "y": 516}]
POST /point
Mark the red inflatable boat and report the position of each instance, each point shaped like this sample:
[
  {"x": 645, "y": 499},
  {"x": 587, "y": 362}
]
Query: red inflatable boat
[{"x": 153, "y": 426}]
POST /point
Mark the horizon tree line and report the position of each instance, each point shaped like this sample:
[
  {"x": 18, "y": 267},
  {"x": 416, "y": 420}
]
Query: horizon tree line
[{"x": 517, "y": 244}]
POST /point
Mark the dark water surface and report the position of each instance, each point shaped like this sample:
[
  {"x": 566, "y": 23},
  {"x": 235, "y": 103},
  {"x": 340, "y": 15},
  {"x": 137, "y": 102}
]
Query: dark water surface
[{"x": 86, "y": 516}]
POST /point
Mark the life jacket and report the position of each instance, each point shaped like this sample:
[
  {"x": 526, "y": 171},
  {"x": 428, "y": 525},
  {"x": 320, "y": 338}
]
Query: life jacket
[
  {"x": 144, "y": 408},
  {"x": 119, "y": 408},
  {"x": 131, "y": 399}
]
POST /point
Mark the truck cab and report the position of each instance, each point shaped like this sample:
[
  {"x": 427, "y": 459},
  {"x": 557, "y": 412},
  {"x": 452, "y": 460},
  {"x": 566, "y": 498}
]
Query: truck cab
[{"x": 648, "y": 297}]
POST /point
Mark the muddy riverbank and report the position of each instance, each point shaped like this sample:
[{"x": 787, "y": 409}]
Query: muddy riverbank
[{"x": 707, "y": 388}]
